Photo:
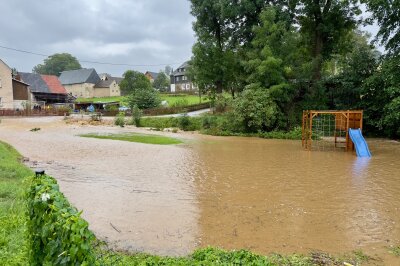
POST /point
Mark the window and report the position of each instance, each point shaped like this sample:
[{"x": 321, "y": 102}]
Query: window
[
  {"x": 177, "y": 78},
  {"x": 0, "y": 102},
  {"x": 0, "y": 84},
  {"x": 184, "y": 78}
]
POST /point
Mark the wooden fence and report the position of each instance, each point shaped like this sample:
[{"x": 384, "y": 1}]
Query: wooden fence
[{"x": 43, "y": 112}]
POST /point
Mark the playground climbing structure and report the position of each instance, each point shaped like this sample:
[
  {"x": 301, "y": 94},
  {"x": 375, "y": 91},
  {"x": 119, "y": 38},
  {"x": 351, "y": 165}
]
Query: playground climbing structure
[{"x": 329, "y": 129}]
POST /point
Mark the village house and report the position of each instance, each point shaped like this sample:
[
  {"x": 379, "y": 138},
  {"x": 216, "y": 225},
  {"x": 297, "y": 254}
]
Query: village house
[
  {"x": 13, "y": 92},
  {"x": 80, "y": 82},
  {"x": 151, "y": 76},
  {"x": 180, "y": 80},
  {"x": 45, "y": 89},
  {"x": 107, "y": 86}
]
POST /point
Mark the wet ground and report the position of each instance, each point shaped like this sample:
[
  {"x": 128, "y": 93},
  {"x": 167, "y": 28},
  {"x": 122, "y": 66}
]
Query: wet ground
[{"x": 262, "y": 195}]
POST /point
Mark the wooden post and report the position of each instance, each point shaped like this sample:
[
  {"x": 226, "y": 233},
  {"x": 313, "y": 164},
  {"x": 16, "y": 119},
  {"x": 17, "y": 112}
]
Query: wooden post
[
  {"x": 310, "y": 138},
  {"x": 347, "y": 131}
]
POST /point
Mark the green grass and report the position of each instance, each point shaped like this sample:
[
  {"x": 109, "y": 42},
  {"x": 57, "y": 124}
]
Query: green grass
[
  {"x": 183, "y": 100},
  {"x": 173, "y": 101},
  {"x": 101, "y": 99},
  {"x": 14, "y": 243},
  {"x": 135, "y": 137}
]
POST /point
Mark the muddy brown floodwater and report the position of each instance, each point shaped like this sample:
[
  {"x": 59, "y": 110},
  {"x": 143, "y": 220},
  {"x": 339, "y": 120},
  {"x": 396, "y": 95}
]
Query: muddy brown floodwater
[{"x": 263, "y": 195}]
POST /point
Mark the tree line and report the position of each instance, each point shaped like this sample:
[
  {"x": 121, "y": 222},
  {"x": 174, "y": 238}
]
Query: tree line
[{"x": 285, "y": 56}]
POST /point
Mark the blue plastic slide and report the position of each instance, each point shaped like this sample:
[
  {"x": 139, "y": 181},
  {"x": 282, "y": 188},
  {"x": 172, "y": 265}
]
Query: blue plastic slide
[{"x": 359, "y": 142}]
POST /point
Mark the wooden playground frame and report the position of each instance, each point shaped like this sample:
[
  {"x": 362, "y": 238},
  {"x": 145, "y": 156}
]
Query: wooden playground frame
[{"x": 344, "y": 119}]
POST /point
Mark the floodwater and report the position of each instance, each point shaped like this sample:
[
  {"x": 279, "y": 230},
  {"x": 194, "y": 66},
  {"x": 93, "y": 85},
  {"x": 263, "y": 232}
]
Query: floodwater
[{"x": 263, "y": 195}]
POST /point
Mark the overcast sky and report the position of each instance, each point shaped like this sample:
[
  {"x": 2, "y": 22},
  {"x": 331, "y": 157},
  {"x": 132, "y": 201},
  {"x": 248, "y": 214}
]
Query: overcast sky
[{"x": 135, "y": 32}]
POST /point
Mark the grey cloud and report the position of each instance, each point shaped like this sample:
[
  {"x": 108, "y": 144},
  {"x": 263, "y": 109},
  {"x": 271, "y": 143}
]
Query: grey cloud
[{"x": 119, "y": 31}]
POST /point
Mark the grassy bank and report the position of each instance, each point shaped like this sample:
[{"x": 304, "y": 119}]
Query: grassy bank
[
  {"x": 135, "y": 137},
  {"x": 13, "y": 217},
  {"x": 215, "y": 125},
  {"x": 173, "y": 100}
]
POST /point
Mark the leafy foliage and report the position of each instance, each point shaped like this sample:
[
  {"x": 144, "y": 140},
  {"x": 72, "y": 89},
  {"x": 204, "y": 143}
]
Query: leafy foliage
[
  {"x": 119, "y": 120},
  {"x": 59, "y": 236},
  {"x": 57, "y": 63},
  {"x": 14, "y": 244},
  {"x": 387, "y": 14},
  {"x": 161, "y": 83},
  {"x": 139, "y": 91}
]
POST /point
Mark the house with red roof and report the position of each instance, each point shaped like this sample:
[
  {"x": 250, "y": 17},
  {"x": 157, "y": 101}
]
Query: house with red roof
[{"x": 45, "y": 88}]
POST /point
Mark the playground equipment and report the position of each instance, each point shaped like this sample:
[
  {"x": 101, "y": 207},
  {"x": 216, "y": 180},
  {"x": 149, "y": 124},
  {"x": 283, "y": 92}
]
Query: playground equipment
[{"x": 327, "y": 130}]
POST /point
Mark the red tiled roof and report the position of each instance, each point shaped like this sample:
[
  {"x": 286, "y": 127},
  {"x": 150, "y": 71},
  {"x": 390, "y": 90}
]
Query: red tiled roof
[{"x": 54, "y": 84}]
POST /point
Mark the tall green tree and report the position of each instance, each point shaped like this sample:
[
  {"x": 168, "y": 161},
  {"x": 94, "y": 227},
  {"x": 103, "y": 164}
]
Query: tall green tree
[
  {"x": 387, "y": 14},
  {"x": 344, "y": 87},
  {"x": 381, "y": 99},
  {"x": 57, "y": 63},
  {"x": 161, "y": 83},
  {"x": 139, "y": 91},
  {"x": 324, "y": 24},
  {"x": 209, "y": 63}
]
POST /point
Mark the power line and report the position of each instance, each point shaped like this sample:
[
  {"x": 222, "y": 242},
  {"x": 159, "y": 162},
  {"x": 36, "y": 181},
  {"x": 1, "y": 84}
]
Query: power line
[{"x": 87, "y": 61}]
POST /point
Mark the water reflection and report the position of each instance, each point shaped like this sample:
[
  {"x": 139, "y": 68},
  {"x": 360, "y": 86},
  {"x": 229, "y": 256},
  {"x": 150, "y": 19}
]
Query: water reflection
[{"x": 271, "y": 196}]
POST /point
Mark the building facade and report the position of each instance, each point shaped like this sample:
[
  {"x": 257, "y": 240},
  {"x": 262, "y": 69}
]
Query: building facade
[
  {"x": 80, "y": 82},
  {"x": 180, "y": 82}
]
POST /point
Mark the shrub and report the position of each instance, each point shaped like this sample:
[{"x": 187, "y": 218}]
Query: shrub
[
  {"x": 255, "y": 110},
  {"x": 222, "y": 104},
  {"x": 59, "y": 236},
  {"x": 120, "y": 119},
  {"x": 136, "y": 115},
  {"x": 144, "y": 99}
]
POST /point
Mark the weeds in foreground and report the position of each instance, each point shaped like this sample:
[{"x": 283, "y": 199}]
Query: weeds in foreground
[{"x": 395, "y": 250}]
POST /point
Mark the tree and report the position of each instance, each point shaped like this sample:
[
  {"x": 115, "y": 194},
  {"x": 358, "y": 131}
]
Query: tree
[
  {"x": 381, "y": 99},
  {"x": 139, "y": 91},
  {"x": 168, "y": 70},
  {"x": 353, "y": 67},
  {"x": 387, "y": 14},
  {"x": 134, "y": 81},
  {"x": 161, "y": 83},
  {"x": 211, "y": 64},
  {"x": 57, "y": 63},
  {"x": 324, "y": 24}
]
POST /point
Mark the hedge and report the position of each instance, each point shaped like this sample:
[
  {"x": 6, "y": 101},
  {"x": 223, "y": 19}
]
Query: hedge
[{"x": 58, "y": 235}]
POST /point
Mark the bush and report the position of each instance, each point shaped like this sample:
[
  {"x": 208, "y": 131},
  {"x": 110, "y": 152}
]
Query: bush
[
  {"x": 136, "y": 116},
  {"x": 255, "y": 110},
  {"x": 222, "y": 104},
  {"x": 59, "y": 236},
  {"x": 144, "y": 99},
  {"x": 120, "y": 119}
]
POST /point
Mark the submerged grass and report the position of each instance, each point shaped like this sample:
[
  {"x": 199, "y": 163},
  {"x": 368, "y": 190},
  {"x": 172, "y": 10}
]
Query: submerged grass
[
  {"x": 135, "y": 137},
  {"x": 14, "y": 245}
]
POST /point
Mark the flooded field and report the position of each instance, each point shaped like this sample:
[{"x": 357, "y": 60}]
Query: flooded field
[{"x": 262, "y": 195}]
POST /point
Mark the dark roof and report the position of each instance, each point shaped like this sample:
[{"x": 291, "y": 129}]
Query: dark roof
[
  {"x": 35, "y": 81},
  {"x": 84, "y": 75},
  {"x": 106, "y": 83},
  {"x": 153, "y": 75},
  {"x": 54, "y": 84},
  {"x": 42, "y": 83},
  {"x": 181, "y": 73}
]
